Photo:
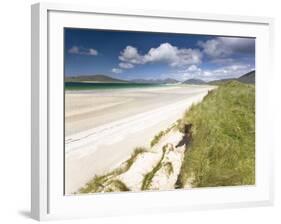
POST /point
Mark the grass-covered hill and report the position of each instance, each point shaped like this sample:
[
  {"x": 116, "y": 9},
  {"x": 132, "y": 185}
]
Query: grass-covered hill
[
  {"x": 248, "y": 78},
  {"x": 194, "y": 81},
  {"x": 94, "y": 78},
  {"x": 222, "y": 152}
]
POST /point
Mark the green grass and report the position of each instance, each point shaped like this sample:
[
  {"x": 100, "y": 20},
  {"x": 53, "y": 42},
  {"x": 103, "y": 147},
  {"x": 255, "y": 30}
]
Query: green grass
[
  {"x": 97, "y": 184},
  {"x": 158, "y": 137},
  {"x": 222, "y": 151},
  {"x": 149, "y": 176},
  {"x": 128, "y": 163},
  {"x": 116, "y": 185},
  {"x": 102, "y": 183}
]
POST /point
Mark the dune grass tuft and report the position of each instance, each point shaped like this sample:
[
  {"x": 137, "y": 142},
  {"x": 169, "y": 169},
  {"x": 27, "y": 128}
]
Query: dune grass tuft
[
  {"x": 158, "y": 137},
  {"x": 97, "y": 184},
  {"x": 133, "y": 158},
  {"x": 117, "y": 185},
  {"x": 149, "y": 176}
]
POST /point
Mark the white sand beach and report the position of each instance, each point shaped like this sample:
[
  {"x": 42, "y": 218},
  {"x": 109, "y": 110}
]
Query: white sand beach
[{"x": 102, "y": 128}]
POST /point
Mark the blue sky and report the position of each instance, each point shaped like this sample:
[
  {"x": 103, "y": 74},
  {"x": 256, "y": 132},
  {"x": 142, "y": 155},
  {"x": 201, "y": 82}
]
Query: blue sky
[{"x": 142, "y": 55}]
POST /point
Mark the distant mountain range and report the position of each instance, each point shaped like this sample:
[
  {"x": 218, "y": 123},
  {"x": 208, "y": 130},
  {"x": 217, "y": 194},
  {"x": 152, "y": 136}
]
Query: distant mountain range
[
  {"x": 94, "y": 79},
  {"x": 250, "y": 78},
  {"x": 107, "y": 79},
  {"x": 247, "y": 78},
  {"x": 194, "y": 81},
  {"x": 156, "y": 81}
]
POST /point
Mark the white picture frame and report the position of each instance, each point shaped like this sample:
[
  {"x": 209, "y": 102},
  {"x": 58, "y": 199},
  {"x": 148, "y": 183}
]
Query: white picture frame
[{"x": 47, "y": 198}]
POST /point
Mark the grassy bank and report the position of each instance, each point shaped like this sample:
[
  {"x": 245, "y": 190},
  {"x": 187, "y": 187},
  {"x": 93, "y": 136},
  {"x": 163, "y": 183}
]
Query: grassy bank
[{"x": 222, "y": 152}]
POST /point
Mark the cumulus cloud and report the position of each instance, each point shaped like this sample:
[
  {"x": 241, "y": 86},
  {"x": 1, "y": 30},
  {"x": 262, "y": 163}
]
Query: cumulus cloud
[
  {"x": 117, "y": 70},
  {"x": 221, "y": 47},
  {"x": 83, "y": 51},
  {"x": 193, "y": 68},
  {"x": 131, "y": 55},
  {"x": 165, "y": 53},
  {"x": 223, "y": 61},
  {"x": 173, "y": 55},
  {"x": 192, "y": 72},
  {"x": 92, "y": 52},
  {"x": 74, "y": 50},
  {"x": 185, "y": 62},
  {"x": 125, "y": 65},
  {"x": 231, "y": 71},
  {"x": 224, "y": 72}
]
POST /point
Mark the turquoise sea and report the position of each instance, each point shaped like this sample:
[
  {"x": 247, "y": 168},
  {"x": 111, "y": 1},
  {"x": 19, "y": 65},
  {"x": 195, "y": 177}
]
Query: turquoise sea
[{"x": 100, "y": 86}]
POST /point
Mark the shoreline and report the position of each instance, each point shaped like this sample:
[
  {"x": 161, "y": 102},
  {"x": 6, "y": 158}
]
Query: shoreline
[
  {"x": 146, "y": 87},
  {"x": 86, "y": 109}
]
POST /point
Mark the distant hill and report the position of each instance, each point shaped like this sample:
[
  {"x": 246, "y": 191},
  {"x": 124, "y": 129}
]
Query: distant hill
[
  {"x": 155, "y": 81},
  {"x": 220, "y": 81},
  {"x": 170, "y": 81},
  {"x": 99, "y": 78},
  {"x": 194, "y": 81},
  {"x": 250, "y": 77},
  {"x": 94, "y": 78}
]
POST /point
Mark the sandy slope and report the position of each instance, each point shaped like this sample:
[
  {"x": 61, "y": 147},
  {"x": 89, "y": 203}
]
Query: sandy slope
[
  {"x": 118, "y": 127},
  {"x": 162, "y": 179}
]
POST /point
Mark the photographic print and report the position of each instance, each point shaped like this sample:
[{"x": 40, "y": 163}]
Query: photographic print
[{"x": 157, "y": 111}]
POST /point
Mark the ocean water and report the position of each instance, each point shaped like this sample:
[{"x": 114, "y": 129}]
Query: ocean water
[{"x": 100, "y": 86}]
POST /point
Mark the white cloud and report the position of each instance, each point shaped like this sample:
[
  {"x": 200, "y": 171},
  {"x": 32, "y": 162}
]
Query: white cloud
[
  {"x": 117, "y": 70},
  {"x": 193, "y": 68},
  {"x": 166, "y": 53},
  {"x": 93, "y": 51},
  {"x": 131, "y": 55},
  {"x": 214, "y": 48},
  {"x": 185, "y": 61},
  {"x": 172, "y": 55},
  {"x": 192, "y": 72},
  {"x": 231, "y": 71},
  {"x": 83, "y": 51},
  {"x": 125, "y": 65},
  {"x": 74, "y": 50},
  {"x": 221, "y": 47},
  {"x": 223, "y": 61},
  {"x": 224, "y": 72}
]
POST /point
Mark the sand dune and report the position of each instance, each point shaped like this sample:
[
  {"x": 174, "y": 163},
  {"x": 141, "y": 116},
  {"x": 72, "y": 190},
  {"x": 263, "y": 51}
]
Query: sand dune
[{"x": 103, "y": 128}]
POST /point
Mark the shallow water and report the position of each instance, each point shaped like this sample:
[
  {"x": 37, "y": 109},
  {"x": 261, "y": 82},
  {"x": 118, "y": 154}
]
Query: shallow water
[{"x": 100, "y": 86}]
